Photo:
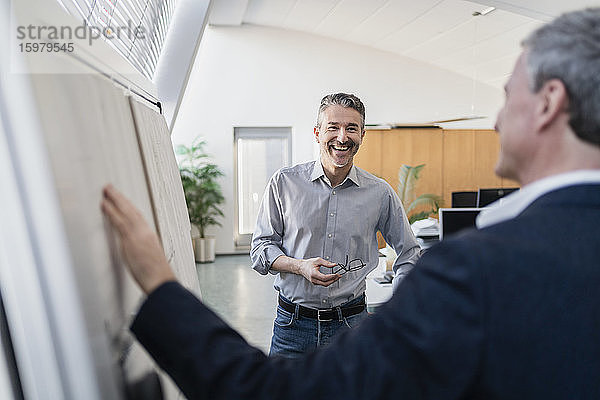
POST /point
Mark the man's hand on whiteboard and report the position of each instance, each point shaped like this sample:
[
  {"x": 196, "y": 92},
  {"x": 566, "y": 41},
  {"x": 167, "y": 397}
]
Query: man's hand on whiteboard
[{"x": 139, "y": 243}]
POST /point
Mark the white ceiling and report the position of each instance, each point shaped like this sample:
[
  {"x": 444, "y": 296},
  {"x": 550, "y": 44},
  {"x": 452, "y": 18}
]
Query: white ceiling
[{"x": 443, "y": 33}]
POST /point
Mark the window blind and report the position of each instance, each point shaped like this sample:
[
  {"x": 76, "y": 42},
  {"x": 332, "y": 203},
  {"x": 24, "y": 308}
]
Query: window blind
[{"x": 136, "y": 29}]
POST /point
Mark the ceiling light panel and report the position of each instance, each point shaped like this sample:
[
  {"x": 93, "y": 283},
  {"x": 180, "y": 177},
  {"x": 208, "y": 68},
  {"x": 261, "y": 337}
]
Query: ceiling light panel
[
  {"x": 487, "y": 51},
  {"x": 394, "y": 15},
  {"x": 445, "y": 16},
  {"x": 474, "y": 31},
  {"x": 497, "y": 68},
  {"x": 346, "y": 16},
  {"x": 306, "y": 15}
]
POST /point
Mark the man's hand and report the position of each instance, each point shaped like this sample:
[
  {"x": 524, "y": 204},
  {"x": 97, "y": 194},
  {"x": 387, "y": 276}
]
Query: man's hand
[
  {"x": 139, "y": 243},
  {"x": 310, "y": 270}
]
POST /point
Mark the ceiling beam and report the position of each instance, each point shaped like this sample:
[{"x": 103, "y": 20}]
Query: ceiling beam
[{"x": 227, "y": 12}]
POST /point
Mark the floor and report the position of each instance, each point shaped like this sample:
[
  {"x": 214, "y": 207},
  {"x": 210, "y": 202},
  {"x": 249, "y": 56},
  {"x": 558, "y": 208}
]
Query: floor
[{"x": 241, "y": 296}]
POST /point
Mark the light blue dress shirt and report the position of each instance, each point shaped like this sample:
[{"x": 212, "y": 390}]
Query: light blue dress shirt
[{"x": 302, "y": 216}]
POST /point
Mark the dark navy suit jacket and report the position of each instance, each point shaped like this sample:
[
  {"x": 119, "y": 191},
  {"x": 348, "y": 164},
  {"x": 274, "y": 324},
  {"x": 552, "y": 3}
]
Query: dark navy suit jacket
[{"x": 508, "y": 312}]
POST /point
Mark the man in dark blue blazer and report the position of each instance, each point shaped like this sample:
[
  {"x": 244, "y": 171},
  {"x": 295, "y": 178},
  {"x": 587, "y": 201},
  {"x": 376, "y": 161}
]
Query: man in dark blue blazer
[{"x": 511, "y": 310}]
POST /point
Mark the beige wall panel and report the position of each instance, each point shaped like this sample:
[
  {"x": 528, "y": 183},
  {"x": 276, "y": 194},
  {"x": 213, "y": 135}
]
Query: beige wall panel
[
  {"x": 397, "y": 150},
  {"x": 166, "y": 192},
  {"x": 414, "y": 147},
  {"x": 91, "y": 141},
  {"x": 427, "y": 148},
  {"x": 389, "y": 149},
  {"x": 509, "y": 183},
  {"x": 369, "y": 158},
  {"x": 384, "y": 151},
  {"x": 369, "y": 155},
  {"x": 459, "y": 163},
  {"x": 455, "y": 160},
  {"x": 487, "y": 146}
]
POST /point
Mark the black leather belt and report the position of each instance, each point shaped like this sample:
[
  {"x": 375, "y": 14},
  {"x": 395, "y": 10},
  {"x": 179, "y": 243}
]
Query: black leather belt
[{"x": 329, "y": 314}]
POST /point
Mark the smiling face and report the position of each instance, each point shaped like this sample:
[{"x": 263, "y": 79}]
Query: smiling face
[{"x": 339, "y": 136}]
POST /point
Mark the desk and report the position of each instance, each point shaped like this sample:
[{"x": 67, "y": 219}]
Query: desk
[{"x": 377, "y": 293}]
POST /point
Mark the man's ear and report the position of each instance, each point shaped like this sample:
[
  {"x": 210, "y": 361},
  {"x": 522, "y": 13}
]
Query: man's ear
[
  {"x": 316, "y": 132},
  {"x": 553, "y": 101}
]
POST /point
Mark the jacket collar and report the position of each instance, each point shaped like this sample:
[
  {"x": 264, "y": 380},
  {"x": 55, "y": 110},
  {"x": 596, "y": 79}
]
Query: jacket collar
[{"x": 515, "y": 203}]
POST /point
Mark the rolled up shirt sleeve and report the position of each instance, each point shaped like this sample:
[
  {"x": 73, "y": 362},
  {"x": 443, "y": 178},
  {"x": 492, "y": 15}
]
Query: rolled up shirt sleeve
[
  {"x": 267, "y": 239},
  {"x": 397, "y": 233}
]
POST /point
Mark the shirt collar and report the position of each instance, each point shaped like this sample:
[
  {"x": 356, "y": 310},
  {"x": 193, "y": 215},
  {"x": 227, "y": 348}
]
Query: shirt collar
[
  {"x": 353, "y": 175},
  {"x": 512, "y": 205},
  {"x": 318, "y": 172}
]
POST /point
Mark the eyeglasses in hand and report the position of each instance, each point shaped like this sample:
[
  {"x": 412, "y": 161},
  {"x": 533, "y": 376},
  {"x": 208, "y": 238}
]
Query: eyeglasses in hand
[{"x": 353, "y": 265}]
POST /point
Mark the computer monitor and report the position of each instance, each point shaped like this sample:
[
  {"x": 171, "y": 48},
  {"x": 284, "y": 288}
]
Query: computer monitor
[
  {"x": 453, "y": 220},
  {"x": 488, "y": 196},
  {"x": 464, "y": 199}
]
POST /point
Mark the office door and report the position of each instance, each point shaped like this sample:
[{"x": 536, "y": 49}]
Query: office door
[{"x": 259, "y": 152}]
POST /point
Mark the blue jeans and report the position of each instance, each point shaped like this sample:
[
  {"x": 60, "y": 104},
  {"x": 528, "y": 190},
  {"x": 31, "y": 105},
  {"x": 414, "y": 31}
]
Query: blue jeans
[{"x": 294, "y": 335}]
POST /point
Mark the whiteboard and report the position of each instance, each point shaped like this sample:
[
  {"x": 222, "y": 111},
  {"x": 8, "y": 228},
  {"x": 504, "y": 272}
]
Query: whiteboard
[
  {"x": 166, "y": 192},
  {"x": 67, "y": 134}
]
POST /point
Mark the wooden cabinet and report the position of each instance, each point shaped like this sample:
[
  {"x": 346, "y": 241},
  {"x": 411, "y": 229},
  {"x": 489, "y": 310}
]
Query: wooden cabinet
[
  {"x": 456, "y": 160},
  {"x": 469, "y": 160},
  {"x": 384, "y": 151}
]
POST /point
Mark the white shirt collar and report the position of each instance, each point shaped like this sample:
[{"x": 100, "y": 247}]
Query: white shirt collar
[{"x": 512, "y": 205}]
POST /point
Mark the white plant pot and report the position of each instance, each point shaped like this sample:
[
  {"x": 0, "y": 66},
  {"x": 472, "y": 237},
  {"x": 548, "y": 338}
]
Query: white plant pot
[{"x": 204, "y": 249}]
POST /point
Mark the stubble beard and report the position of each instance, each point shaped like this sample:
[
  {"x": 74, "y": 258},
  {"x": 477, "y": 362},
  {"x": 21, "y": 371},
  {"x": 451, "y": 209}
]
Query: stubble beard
[{"x": 349, "y": 158}]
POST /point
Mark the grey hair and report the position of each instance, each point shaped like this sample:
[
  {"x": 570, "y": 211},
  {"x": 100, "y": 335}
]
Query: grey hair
[
  {"x": 344, "y": 100},
  {"x": 568, "y": 49}
]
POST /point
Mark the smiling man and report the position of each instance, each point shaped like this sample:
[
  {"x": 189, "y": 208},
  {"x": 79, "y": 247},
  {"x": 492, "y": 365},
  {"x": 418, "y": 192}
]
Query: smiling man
[{"x": 317, "y": 228}]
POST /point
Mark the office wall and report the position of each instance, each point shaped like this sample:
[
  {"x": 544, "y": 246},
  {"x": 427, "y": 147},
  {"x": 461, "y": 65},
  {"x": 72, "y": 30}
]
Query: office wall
[{"x": 257, "y": 76}]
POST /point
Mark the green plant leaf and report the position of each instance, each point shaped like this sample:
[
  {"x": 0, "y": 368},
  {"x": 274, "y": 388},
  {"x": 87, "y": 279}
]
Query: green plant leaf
[
  {"x": 407, "y": 181},
  {"x": 202, "y": 190},
  {"x": 419, "y": 216},
  {"x": 429, "y": 200}
]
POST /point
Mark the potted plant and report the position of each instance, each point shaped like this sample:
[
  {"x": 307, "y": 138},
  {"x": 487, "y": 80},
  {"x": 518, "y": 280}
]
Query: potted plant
[
  {"x": 203, "y": 195},
  {"x": 427, "y": 203}
]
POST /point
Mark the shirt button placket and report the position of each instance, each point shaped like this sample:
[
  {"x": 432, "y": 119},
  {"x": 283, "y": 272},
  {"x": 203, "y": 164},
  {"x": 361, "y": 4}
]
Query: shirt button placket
[{"x": 330, "y": 226}]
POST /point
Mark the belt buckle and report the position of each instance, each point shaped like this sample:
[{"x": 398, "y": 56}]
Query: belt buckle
[{"x": 323, "y": 319}]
